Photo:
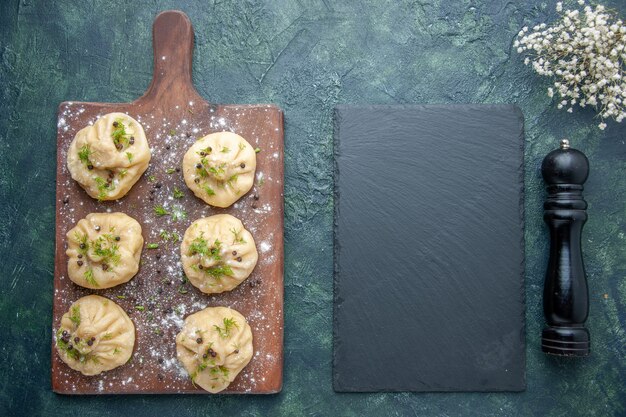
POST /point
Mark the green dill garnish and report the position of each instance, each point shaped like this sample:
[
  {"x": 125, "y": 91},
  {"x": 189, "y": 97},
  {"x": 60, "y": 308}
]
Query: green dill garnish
[
  {"x": 200, "y": 246},
  {"x": 64, "y": 346},
  {"x": 218, "y": 271},
  {"x": 178, "y": 213},
  {"x": 107, "y": 249},
  {"x": 170, "y": 170},
  {"x": 175, "y": 237},
  {"x": 157, "y": 331},
  {"x": 172, "y": 132},
  {"x": 165, "y": 235},
  {"x": 119, "y": 135},
  {"x": 261, "y": 181},
  {"x": 83, "y": 243},
  {"x": 208, "y": 190},
  {"x": 123, "y": 173},
  {"x": 152, "y": 246},
  {"x": 182, "y": 290},
  {"x": 116, "y": 351},
  {"x": 139, "y": 308},
  {"x": 225, "y": 150},
  {"x": 84, "y": 154},
  {"x": 107, "y": 336},
  {"x": 237, "y": 236},
  {"x": 90, "y": 278},
  {"x": 129, "y": 155},
  {"x": 151, "y": 178},
  {"x": 217, "y": 171},
  {"x": 160, "y": 211},
  {"x": 178, "y": 193},
  {"x": 121, "y": 297},
  {"x": 75, "y": 316},
  {"x": 103, "y": 187},
  {"x": 228, "y": 326},
  {"x": 257, "y": 150},
  {"x": 241, "y": 146}
]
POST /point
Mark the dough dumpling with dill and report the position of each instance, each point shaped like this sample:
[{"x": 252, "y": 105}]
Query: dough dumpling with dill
[
  {"x": 109, "y": 157},
  {"x": 214, "y": 345},
  {"x": 95, "y": 335},
  {"x": 218, "y": 253},
  {"x": 103, "y": 250},
  {"x": 219, "y": 168}
]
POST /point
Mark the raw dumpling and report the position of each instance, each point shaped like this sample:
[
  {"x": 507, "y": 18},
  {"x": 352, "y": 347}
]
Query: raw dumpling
[
  {"x": 214, "y": 345},
  {"x": 95, "y": 335},
  {"x": 108, "y": 158},
  {"x": 219, "y": 168},
  {"x": 103, "y": 250},
  {"x": 217, "y": 253}
]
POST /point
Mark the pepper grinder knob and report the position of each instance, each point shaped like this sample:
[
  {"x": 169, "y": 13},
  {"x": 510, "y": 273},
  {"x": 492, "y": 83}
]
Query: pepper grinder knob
[{"x": 565, "y": 295}]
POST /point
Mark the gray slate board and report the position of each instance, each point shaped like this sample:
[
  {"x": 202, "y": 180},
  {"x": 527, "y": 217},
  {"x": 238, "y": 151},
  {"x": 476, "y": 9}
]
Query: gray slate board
[{"x": 429, "y": 248}]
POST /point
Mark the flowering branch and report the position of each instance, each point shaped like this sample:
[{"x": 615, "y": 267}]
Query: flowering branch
[{"x": 586, "y": 54}]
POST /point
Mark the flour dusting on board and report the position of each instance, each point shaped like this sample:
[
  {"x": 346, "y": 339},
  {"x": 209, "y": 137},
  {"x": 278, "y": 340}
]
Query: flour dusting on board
[{"x": 159, "y": 297}]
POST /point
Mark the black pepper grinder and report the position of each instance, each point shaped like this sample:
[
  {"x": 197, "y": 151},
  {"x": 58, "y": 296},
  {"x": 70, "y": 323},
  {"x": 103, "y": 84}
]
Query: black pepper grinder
[{"x": 565, "y": 294}]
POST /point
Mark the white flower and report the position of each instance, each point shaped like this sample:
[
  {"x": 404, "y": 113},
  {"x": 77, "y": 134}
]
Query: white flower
[{"x": 586, "y": 53}]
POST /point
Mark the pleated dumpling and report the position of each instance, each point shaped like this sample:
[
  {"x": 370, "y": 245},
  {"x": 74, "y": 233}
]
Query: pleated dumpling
[
  {"x": 218, "y": 253},
  {"x": 219, "y": 168},
  {"x": 214, "y": 345},
  {"x": 95, "y": 335},
  {"x": 108, "y": 157},
  {"x": 103, "y": 250}
]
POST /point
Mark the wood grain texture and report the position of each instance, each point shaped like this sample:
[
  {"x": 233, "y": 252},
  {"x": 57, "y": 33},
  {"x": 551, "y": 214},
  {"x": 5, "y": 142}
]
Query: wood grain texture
[
  {"x": 174, "y": 116},
  {"x": 429, "y": 249}
]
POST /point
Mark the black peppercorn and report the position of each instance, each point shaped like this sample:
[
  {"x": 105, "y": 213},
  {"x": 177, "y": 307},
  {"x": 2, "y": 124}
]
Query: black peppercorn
[
  {"x": 117, "y": 238},
  {"x": 202, "y": 153},
  {"x": 204, "y": 356},
  {"x": 167, "y": 147},
  {"x": 188, "y": 134},
  {"x": 119, "y": 146},
  {"x": 200, "y": 266},
  {"x": 234, "y": 253},
  {"x": 151, "y": 198},
  {"x": 213, "y": 354},
  {"x": 242, "y": 165},
  {"x": 66, "y": 200},
  {"x": 199, "y": 340},
  {"x": 80, "y": 256},
  {"x": 160, "y": 360},
  {"x": 89, "y": 342},
  {"x": 199, "y": 166},
  {"x": 239, "y": 259},
  {"x": 158, "y": 185},
  {"x": 70, "y": 347},
  {"x": 65, "y": 333},
  {"x": 83, "y": 246},
  {"x": 80, "y": 263},
  {"x": 89, "y": 167},
  {"x": 105, "y": 267},
  {"x": 177, "y": 169},
  {"x": 76, "y": 339},
  {"x": 256, "y": 196},
  {"x": 158, "y": 256},
  {"x": 131, "y": 140},
  {"x": 115, "y": 124},
  {"x": 197, "y": 180},
  {"x": 93, "y": 338},
  {"x": 236, "y": 351},
  {"x": 111, "y": 174},
  {"x": 97, "y": 228}
]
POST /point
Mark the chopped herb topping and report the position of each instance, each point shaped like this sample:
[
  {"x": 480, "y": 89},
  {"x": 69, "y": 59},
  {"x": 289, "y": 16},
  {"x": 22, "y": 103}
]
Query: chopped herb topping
[
  {"x": 152, "y": 246},
  {"x": 225, "y": 150},
  {"x": 151, "y": 178},
  {"x": 170, "y": 170},
  {"x": 139, "y": 308},
  {"x": 84, "y": 154},
  {"x": 178, "y": 193},
  {"x": 107, "y": 336},
  {"x": 121, "y": 297},
  {"x": 208, "y": 190},
  {"x": 103, "y": 187},
  {"x": 160, "y": 211},
  {"x": 241, "y": 146},
  {"x": 257, "y": 150},
  {"x": 90, "y": 278},
  {"x": 75, "y": 315},
  {"x": 237, "y": 236},
  {"x": 178, "y": 213},
  {"x": 172, "y": 132},
  {"x": 121, "y": 138},
  {"x": 229, "y": 324},
  {"x": 218, "y": 271},
  {"x": 123, "y": 173},
  {"x": 129, "y": 155}
]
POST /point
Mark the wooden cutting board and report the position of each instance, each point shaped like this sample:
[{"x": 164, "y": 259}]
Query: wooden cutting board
[
  {"x": 173, "y": 116},
  {"x": 429, "y": 248}
]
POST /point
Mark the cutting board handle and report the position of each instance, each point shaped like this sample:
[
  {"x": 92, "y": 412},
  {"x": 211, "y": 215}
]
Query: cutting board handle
[{"x": 172, "y": 38}]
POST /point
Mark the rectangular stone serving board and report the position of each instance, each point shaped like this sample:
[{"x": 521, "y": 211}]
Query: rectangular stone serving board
[
  {"x": 174, "y": 116},
  {"x": 429, "y": 248}
]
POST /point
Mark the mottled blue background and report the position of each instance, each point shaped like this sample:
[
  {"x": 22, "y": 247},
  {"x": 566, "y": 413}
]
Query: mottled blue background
[{"x": 306, "y": 56}]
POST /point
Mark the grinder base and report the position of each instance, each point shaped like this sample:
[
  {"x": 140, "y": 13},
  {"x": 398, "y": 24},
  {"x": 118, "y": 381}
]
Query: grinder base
[{"x": 566, "y": 341}]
